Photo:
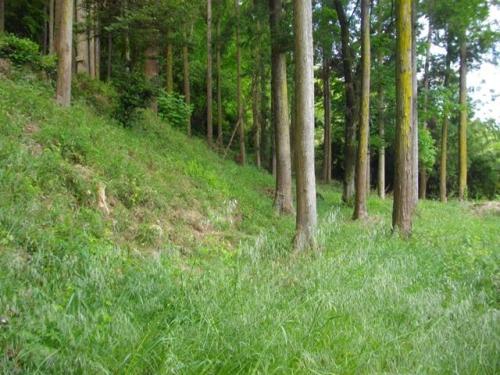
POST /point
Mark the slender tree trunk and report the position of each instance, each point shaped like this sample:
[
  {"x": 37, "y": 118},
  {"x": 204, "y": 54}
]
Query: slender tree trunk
[
  {"x": 51, "y": 26},
  {"x": 92, "y": 67},
  {"x": 444, "y": 156},
  {"x": 97, "y": 44},
  {"x": 220, "y": 140},
  {"x": 423, "y": 172},
  {"x": 381, "y": 134},
  {"x": 187, "y": 85},
  {"x": 327, "y": 146},
  {"x": 368, "y": 171},
  {"x": 360, "y": 208},
  {"x": 209, "y": 75},
  {"x": 403, "y": 206},
  {"x": 304, "y": 86},
  {"x": 350, "y": 125},
  {"x": 82, "y": 59},
  {"x": 128, "y": 60},
  {"x": 241, "y": 124},
  {"x": 2, "y": 16},
  {"x": 462, "y": 145},
  {"x": 414, "y": 121},
  {"x": 444, "y": 131},
  {"x": 282, "y": 166},
  {"x": 110, "y": 57},
  {"x": 170, "y": 68},
  {"x": 63, "y": 89},
  {"x": 151, "y": 68},
  {"x": 256, "y": 115}
]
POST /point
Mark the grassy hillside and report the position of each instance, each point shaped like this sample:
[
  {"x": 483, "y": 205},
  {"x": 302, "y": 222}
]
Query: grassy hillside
[{"x": 184, "y": 268}]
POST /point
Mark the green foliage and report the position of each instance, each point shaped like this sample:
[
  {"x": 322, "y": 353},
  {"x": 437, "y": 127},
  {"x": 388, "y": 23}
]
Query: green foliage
[
  {"x": 426, "y": 149},
  {"x": 23, "y": 51},
  {"x": 173, "y": 109},
  {"x": 135, "y": 92},
  {"x": 100, "y": 95}
]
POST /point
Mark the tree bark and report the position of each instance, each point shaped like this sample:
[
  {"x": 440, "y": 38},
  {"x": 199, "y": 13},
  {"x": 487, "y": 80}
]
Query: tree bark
[
  {"x": 414, "y": 120},
  {"x": 327, "y": 146},
  {"x": 381, "y": 134},
  {"x": 220, "y": 140},
  {"x": 403, "y": 206},
  {"x": 282, "y": 162},
  {"x": 187, "y": 85},
  {"x": 209, "y": 75},
  {"x": 256, "y": 114},
  {"x": 2, "y": 16},
  {"x": 304, "y": 93},
  {"x": 151, "y": 69},
  {"x": 241, "y": 124},
  {"x": 63, "y": 89},
  {"x": 444, "y": 130},
  {"x": 82, "y": 58},
  {"x": 360, "y": 208},
  {"x": 110, "y": 57},
  {"x": 170, "y": 68},
  {"x": 423, "y": 172},
  {"x": 51, "y": 26},
  {"x": 350, "y": 125},
  {"x": 462, "y": 146}
]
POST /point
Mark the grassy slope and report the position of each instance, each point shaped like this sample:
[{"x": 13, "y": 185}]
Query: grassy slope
[{"x": 191, "y": 271}]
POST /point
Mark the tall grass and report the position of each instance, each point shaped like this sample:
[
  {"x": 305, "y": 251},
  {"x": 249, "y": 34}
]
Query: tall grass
[{"x": 86, "y": 293}]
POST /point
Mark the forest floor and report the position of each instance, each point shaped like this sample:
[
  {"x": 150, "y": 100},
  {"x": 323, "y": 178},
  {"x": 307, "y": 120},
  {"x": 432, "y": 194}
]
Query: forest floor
[{"x": 140, "y": 251}]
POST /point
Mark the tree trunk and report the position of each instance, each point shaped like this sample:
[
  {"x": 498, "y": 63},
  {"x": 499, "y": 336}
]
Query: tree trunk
[
  {"x": 187, "y": 85},
  {"x": 128, "y": 60},
  {"x": 97, "y": 45},
  {"x": 220, "y": 140},
  {"x": 423, "y": 172},
  {"x": 170, "y": 68},
  {"x": 444, "y": 130},
  {"x": 63, "y": 89},
  {"x": 151, "y": 68},
  {"x": 350, "y": 125},
  {"x": 256, "y": 114},
  {"x": 110, "y": 56},
  {"x": 2, "y": 16},
  {"x": 241, "y": 124},
  {"x": 82, "y": 58},
  {"x": 360, "y": 208},
  {"x": 283, "y": 201},
  {"x": 414, "y": 121},
  {"x": 403, "y": 206},
  {"x": 209, "y": 75},
  {"x": 52, "y": 48},
  {"x": 327, "y": 146},
  {"x": 462, "y": 145},
  {"x": 381, "y": 134},
  {"x": 304, "y": 93}
]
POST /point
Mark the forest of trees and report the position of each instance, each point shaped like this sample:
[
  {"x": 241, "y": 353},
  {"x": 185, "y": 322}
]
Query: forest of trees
[{"x": 315, "y": 90}]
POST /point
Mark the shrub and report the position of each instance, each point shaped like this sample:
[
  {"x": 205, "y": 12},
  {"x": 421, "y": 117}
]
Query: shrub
[
  {"x": 100, "y": 95},
  {"x": 173, "y": 109},
  {"x": 22, "y": 51}
]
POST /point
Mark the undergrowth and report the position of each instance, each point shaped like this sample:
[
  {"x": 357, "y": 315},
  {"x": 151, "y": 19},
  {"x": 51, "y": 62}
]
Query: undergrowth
[{"x": 191, "y": 271}]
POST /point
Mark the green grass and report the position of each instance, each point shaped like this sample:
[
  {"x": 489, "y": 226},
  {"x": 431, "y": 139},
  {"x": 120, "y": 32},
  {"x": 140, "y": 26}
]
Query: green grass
[{"x": 192, "y": 271}]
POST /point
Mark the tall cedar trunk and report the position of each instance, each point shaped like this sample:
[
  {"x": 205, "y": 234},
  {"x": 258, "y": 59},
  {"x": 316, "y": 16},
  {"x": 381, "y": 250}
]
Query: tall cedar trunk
[
  {"x": 209, "y": 74},
  {"x": 52, "y": 13},
  {"x": 444, "y": 131},
  {"x": 281, "y": 155},
  {"x": 381, "y": 134},
  {"x": 187, "y": 85},
  {"x": 304, "y": 97},
  {"x": 241, "y": 125},
  {"x": 327, "y": 146},
  {"x": 91, "y": 31},
  {"x": 57, "y": 23},
  {"x": 403, "y": 206},
  {"x": 360, "y": 209},
  {"x": 414, "y": 114},
  {"x": 380, "y": 113},
  {"x": 422, "y": 191},
  {"x": 45, "y": 29},
  {"x": 128, "y": 59},
  {"x": 256, "y": 114},
  {"x": 2, "y": 16},
  {"x": 97, "y": 45},
  {"x": 220, "y": 140},
  {"x": 151, "y": 68},
  {"x": 170, "y": 68},
  {"x": 63, "y": 89},
  {"x": 82, "y": 58},
  {"x": 462, "y": 145},
  {"x": 110, "y": 57},
  {"x": 350, "y": 125}
]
